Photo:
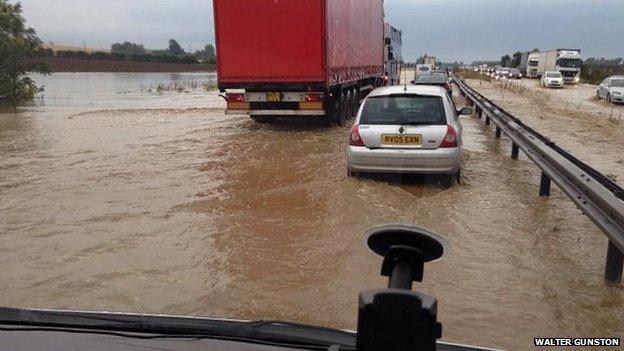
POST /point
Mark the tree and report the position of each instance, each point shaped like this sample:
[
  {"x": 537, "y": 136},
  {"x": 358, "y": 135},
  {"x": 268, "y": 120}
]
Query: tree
[
  {"x": 535, "y": 50},
  {"x": 19, "y": 48},
  {"x": 175, "y": 49},
  {"x": 505, "y": 60},
  {"x": 517, "y": 57},
  {"x": 128, "y": 48},
  {"x": 208, "y": 54}
]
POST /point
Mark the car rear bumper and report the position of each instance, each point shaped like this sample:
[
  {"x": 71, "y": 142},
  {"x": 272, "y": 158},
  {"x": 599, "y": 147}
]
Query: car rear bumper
[{"x": 426, "y": 161}]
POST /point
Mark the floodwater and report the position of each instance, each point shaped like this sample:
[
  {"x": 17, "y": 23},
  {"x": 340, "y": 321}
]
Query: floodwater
[{"x": 117, "y": 196}]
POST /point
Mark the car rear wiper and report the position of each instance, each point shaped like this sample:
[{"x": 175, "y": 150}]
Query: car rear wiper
[{"x": 416, "y": 123}]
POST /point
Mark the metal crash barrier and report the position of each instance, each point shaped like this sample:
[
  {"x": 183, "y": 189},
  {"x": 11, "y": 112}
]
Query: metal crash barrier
[{"x": 596, "y": 195}]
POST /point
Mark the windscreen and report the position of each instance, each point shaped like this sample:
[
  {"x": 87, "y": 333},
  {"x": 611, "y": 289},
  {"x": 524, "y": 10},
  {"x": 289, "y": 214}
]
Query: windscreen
[
  {"x": 617, "y": 83},
  {"x": 404, "y": 110},
  {"x": 533, "y": 63},
  {"x": 570, "y": 63}
]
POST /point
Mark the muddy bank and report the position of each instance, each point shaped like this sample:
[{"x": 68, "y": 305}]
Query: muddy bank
[
  {"x": 592, "y": 130},
  {"x": 78, "y": 65}
]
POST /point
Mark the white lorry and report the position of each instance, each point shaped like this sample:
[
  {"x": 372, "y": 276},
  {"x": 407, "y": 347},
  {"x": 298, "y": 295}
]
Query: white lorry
[
  {"x": 567, "y": 61},
  {"x": 532, "y": 64}
]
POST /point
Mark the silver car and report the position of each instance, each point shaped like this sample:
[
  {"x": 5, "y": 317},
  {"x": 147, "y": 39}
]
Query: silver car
[
  {"x": 552, "y": 79},
  {"x": 611, "y": 89},
  {"x": 407, "y": 129}
]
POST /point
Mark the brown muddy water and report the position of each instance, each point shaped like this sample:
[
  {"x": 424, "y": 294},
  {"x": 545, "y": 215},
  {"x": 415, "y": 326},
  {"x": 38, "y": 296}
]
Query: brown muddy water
[{"x": 116, "y": 197}]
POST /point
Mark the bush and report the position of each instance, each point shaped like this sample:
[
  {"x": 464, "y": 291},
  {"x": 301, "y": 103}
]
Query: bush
[
  {"x": 72, "y": 54},
  {"x": 100, "y": 55}
]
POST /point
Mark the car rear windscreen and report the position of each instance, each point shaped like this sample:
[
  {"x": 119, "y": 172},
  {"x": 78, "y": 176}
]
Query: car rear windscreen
[
  {"x": 433, "y": 79},
  {"x": 405, "y": 109}
]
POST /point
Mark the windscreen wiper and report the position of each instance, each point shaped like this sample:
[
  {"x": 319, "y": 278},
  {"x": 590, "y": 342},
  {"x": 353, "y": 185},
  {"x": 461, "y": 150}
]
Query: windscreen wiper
[{"x": 262, "y": 332}]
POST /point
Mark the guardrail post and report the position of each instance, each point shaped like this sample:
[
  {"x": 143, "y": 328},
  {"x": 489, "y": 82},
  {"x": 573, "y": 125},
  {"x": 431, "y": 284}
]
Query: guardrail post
[
  {"x": 487, "y": 120},
  {"x": 498, "y": 132},
  {"x": 479, "y": 112},
  {"x": 515, "y": 150},
  {"x": 615, "y": 264},
  {"x": 545, "y": 185}
]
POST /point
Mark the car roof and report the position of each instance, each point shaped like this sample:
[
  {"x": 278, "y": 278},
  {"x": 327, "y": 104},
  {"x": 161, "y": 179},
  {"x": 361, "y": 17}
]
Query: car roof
[{"x": 409, "y": 89}]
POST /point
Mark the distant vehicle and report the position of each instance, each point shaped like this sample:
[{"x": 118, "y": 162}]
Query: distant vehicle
[
  {"x": 407, "y": 129},
  {"x": 393, "y": 54},
  {"x": 444, "y": 72},
  {"x": 524, "y": 62},
  {"x": 281, "y": 63},
  {"x": 430, "y": 60},
  {"x": 532, "y": 65},
  {"x": 567, "y": 61},
  {"x": 611, "y": 89},
  {"x": 514, "y": 73},
  {"x": 435, "y": 79},
  {"x": 423, "y": 69},
  {"x": 552, "y": 79},
  {"x": 502, "y": 72}
]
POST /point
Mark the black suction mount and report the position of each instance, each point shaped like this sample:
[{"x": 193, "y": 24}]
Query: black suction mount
[{"x": 398, "y": 319}]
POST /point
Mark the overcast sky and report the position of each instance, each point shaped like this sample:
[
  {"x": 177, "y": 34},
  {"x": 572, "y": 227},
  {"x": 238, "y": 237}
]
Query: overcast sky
[{"x": 462, "y": 30}]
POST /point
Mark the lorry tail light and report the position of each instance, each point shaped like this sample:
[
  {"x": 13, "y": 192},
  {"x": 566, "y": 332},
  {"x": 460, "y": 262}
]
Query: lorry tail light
[
  {"x": 450, "y": 140},
  {"x": 318, "y": 97},
  {"x": 235, "y": 97},
  {"x": 354, "y": 136}
]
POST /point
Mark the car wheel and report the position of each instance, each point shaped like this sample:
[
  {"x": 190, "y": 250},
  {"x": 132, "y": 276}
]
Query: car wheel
[
  {"x": 448, "y": 180},
  {"x": 458, "y": 176},
  {"x": 351, "y": 174},
  {"x": 609, "y": 98},
  {"x": 598, "y": 94}
]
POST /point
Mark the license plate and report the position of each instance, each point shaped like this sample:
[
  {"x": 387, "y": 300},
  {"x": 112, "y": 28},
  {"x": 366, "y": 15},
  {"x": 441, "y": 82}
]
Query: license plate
[
  {"x": 274, "y": 97},
  {"x": 399, "y": 139}
]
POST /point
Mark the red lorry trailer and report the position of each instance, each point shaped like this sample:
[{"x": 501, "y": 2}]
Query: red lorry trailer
[{"x": 298, "y": 57}]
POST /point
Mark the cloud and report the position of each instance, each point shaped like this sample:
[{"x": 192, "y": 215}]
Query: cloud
[{"x": 449, "y": 29}]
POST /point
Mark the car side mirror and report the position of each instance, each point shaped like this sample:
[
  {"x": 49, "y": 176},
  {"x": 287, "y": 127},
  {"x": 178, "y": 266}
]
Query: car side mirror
[
  {"x": 466, "y": 111},
  {"x": 413, "y": 82}
]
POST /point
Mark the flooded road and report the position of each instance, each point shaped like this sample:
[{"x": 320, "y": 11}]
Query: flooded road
[{"x": 117, "y": 195}]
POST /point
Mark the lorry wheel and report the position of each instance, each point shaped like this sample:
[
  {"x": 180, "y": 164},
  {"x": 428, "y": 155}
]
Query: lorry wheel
[
  {"x": 263, "y": 119},
  {"x": 356, "y": 102},
  {"x": 351, "y": 103},
  {"x": 342, "y": 111}
]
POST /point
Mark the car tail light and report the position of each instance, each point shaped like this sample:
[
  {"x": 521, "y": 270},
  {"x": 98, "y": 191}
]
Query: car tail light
[
  {"x": 354, "y": 136},
  {"x": 314, "y": 97},
  {"x": 235, "y": 97},
  {"x": 450, "y": 140}
]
